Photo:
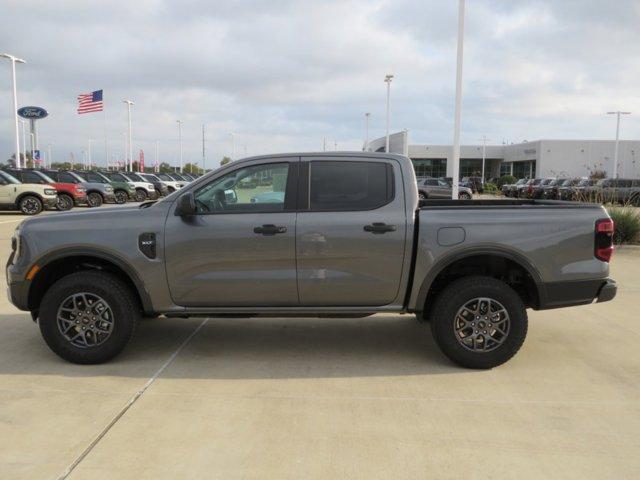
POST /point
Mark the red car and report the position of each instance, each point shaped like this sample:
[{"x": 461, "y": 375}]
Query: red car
[{"x": 69, "y": 194}]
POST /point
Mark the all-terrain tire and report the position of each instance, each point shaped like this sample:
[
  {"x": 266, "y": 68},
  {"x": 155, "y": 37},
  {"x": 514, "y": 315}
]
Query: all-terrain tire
[
  {"x": 119, "y": 298},
  {"x": 458, "y": 294},
  {"x": 94, "y": 199},
  {"x": 30, "y": 205}
]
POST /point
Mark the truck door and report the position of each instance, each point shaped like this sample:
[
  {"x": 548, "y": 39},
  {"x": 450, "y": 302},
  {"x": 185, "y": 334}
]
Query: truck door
[
  {"x": 351, "y": 231},
  {"x": 239, "y": 249}
]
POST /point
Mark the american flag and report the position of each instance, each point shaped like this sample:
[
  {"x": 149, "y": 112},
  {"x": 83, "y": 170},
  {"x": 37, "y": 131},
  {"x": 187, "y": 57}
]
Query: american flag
[{"x": 90, "y": 102}]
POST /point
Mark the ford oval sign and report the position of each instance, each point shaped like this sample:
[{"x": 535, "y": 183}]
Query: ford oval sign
[{"x": 32, "y": 113}]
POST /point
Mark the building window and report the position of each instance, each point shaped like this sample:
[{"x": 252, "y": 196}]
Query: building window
[
  {"x": 470, "y": 167},
  {"x": 430, "y": 167},
  {"x": 505, "y": 168},
  {"x": 524, "y": 169}
]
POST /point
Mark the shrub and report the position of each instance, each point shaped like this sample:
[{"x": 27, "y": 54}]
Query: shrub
[
  {"x": 505, "y": 180},
  {"x": 491, "y": 188},
  {"x": 627, "y": 223}
]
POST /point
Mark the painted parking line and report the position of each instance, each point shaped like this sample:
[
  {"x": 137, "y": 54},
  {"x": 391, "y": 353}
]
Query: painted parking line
[
  {"x": 130, "y": 403},
  {"x": 11, "y": 221}
]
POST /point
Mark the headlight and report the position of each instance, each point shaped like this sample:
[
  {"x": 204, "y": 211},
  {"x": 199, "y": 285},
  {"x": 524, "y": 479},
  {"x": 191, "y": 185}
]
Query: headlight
[
  {"x": 49, "y": 191},
  {"x": 108, "y": 189},
  {"x": 81, "y": 190},
  {"x": 131, "y": 185},
  {"x": 150, "y": 186}
]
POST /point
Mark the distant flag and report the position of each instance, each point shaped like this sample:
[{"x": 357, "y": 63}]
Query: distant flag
[
  {"x": 90, "y": 102},
  {"x": 141, "y": 162}
]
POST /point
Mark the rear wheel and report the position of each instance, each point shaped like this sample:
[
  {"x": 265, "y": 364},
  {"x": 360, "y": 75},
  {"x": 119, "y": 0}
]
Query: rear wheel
[
  {"x": 30, "y": 205},
  {"x": 88, "y": 317},
  {"x": 464, "y": 196},
  {"x": 121, "y": 197},
  {"x": 141, "y": 195},
  {"x": 94, "y": 199},
  {"x": 479, "y": 322},
  {"x": 65, "y": 202},
  {"x": 422, "y": 195}
]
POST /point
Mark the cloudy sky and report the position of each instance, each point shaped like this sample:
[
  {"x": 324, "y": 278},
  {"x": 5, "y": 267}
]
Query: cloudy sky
[{"x": 284, "y": 74}]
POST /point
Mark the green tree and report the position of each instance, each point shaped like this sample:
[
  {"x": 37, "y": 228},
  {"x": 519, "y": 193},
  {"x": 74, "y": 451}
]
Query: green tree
[
  {"x": 165, "y": 168},
  {"x": 224, "y": 160},
  {"x": 192, "y": 168}
]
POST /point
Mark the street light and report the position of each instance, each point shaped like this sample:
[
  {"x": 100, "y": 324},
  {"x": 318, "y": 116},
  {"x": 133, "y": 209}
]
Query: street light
[
  {"x": 24, "y": 139},
  {"x": 458, "y": 107},
  {"x": 484, "y": 140},
  {"x": 130, "y": 152},
  {"x": 233, "y": 146},
  {"x": 387, "y": 80},
  {"x": 615, "y": 151},
  {"x": 13, "y": 61},
  {"x": 179, "y": 122},
  {"x": 366, "y": 131}
]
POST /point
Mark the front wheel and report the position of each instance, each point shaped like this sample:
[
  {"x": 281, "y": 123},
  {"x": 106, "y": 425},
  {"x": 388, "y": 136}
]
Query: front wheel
[
  {"x": 479, "y": 322},
  {"x": 30, "y": 205},
  {"x": 88, "y": 317},
  {"x": 94, "y": 199},
  {"x": 141, "y": 195},
  {"x": 464, "y": 196},
  {"x": 64, "y": 203},
  {"x": 121, "y": 197}
]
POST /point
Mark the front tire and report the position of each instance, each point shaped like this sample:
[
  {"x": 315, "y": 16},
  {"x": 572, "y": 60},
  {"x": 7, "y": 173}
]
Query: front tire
[
  {"x": 64, "y": 203},
  {"x": 88, "y": 317},
  {"x": 121, "y": 197},
  {"x": 94, "y": 199},
  {"x": 30, "y": 205},
  {"x": 464, "y": 196},
  {"x": 141, "y": 195},
  {"x": 479, "y": 322}
]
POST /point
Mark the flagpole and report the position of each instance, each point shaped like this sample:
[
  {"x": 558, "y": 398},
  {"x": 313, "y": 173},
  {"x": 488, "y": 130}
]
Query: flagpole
[{"x": 104, "y": 116}]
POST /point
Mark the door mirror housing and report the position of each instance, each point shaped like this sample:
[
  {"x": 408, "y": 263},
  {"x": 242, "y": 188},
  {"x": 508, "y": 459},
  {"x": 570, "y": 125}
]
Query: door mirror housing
[{"x": 186, "y": 205}]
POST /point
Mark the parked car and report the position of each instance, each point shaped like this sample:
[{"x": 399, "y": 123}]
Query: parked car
[
  {"x": 615, "y": 190},
  {"x": 440, "y": 188},
  {"x": 29, "y": 198},
  {"x": 475, "y": 183},
  {"x": 550, "y": 190},
  {"x": 171, "y": 183},
  {"x": 161, "y": 188},
  {"x": 187, "y": 176},
  {"x": 144, "y": 189},
  {"x": 122, "y": 191},
  {"x": 511, "y": 189},
  {"x": 357, "y": 241},
  {"x": 575, "y": 190},
  {"x": 69, "y": 194},
  {"x": 97, "y": 193},
  {"x": 525, "y": 190},
  {"x": 178, "y": 177},
  {"x": 537, "y": 190}
]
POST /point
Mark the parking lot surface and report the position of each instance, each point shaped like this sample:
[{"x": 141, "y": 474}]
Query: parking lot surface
[{"x": 327, "y": 398}]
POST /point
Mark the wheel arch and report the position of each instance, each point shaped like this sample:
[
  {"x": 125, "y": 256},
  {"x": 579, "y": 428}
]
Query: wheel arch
[
  {"x": 58, "y": 264},
  {"x": 507, "y": 265},
  {"x": 28, "y": 194}
]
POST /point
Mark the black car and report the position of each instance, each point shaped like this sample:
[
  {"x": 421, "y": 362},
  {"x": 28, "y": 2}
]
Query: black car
[
  {"x": 161, "y": 188},
  {"x": 550, "y": 190},
  {"x": 537, "y": 191}
]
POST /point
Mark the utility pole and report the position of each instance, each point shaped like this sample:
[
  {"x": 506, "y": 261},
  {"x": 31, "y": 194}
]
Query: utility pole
[
  {"x": 180, "y": 141},
  {"x": 89, "y": 153},
  {"x": 49, "y": 156},
  {"x": 484, "y": 140},
  {"x": 387, "y": 80},
  {"x": 157, "y": 162},
  {"x": 458, "y": 105},
  {"x": 13, "y": 61},
  {"x": 366, "y": 131},
  {"x": 203, "y": 151},
  {"x": 615, "y": 150}
]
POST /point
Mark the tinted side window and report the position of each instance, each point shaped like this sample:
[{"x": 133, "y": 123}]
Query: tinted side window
[
  {"x": 30, "y": 177},
  {"x": 65, "y": 177},
  {"x": 349, "y": 185},
  {"x": 431, "y": 182}
]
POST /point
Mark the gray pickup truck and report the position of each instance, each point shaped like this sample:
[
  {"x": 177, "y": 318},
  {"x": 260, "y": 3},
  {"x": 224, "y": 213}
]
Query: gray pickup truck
[{"x": 326, "y": 234}]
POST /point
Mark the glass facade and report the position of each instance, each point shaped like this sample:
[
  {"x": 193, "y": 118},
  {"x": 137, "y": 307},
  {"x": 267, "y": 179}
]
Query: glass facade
[
  {"x": 430, "y": 167},
  {"x": 470, "y": 167},
  {"x": 524, "y": 169}
]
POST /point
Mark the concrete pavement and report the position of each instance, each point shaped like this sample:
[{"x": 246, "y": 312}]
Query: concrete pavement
[{"x": 326, "y": 398}]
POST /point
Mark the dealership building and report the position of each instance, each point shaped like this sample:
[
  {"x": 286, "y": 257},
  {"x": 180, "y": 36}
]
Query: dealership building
[{"x": 539, "y": 158}]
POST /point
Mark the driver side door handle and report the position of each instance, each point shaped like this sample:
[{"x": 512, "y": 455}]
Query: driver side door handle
[
  {"x": 270, "y": 229},
  {"x": 379, "y": 227}
]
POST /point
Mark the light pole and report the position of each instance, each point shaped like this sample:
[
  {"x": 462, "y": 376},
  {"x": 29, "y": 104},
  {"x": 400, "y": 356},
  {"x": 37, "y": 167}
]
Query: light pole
[
  {"x": 484, "y": 153},
  {"x": 24, "y": 139},
  {"x": 233, "y": 146},
  {"x": 13, "y": 61},
  {"x": 366, "y": 131},
  {"x": 387, "y": 80},
  {"x": 49, "y": 155},
  {"x": 130, "y": 143},
  {"x": 157, "y": 164},
  {"x": 458, "y": 107},
  {"x": 89, "y": 154},
  {"x": 615, "y": 150},
  {"x": 179, "y": 122}
]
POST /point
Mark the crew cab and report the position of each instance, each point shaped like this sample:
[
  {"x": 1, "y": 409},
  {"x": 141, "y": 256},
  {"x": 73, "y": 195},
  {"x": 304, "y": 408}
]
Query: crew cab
[{"x": 334, "y": 235}]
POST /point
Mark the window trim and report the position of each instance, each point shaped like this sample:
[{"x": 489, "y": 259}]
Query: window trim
[
  {"x": 290, "y": 191},
  {"x": 304, "y": 194}
]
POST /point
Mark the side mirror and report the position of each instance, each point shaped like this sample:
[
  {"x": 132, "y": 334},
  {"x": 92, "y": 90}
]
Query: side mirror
[{"x": 186, "y": 205}]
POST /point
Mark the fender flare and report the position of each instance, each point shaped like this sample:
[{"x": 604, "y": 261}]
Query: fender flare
[
  {"x": 452, "y": 257},
  {"x": 118, "y": 261}
]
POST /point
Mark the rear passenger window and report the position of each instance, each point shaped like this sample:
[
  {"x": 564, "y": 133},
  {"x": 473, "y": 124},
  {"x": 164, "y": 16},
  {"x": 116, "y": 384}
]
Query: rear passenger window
[{"x": 340, "y": 186}]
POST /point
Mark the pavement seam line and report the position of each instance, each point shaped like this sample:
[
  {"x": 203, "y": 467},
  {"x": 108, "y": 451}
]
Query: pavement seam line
[{"x": 130, "y": 403}]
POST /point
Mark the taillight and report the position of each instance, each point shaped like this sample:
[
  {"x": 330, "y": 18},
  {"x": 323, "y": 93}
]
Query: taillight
[{"x": 604, "y": 239}]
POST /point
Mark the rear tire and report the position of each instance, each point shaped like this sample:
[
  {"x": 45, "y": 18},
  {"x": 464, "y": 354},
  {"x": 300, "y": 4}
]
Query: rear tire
[
  {"x": 65, "y": 202},
  {"x": 464, "y": 196},
  {"x": 30, "y": 205},
  {"x": 121, "y": 197},
  {"x": 94, "y": 199},
  {"x": 66, "y": 329},
  {"x": 481, "y": 337}
]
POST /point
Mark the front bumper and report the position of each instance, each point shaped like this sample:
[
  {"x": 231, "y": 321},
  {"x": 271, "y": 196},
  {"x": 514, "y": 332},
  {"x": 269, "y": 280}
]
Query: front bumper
[
  {"x": 50, "y": 203},
  {"x": 109, "y": 197},
  {"x": 80, "y": 201}
]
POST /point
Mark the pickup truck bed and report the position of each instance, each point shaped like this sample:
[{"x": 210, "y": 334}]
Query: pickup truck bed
[{"x": 311, "y": 234}]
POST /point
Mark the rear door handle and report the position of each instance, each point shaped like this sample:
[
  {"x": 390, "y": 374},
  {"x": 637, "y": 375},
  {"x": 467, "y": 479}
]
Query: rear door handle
[
  {"x": 270, "y": 229},
  {"x": 379, "y": 227}
]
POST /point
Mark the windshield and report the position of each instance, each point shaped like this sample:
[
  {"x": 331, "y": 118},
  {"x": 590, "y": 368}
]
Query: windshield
[
  {"x": 9, "y": 178},
  {"x": 134, "y": 177},
  {"x": 150, "y": 178},
  {"x": 165, "y": 177}
]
